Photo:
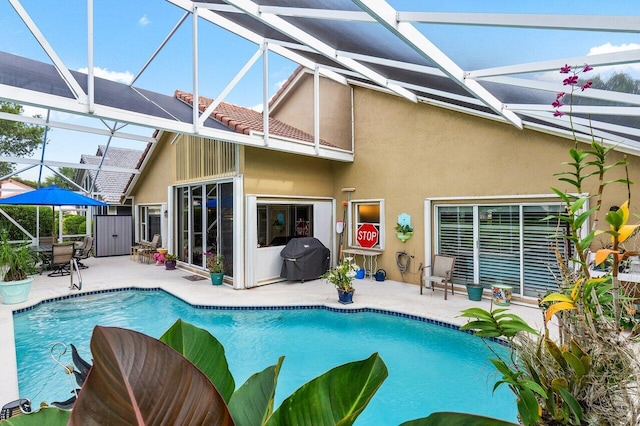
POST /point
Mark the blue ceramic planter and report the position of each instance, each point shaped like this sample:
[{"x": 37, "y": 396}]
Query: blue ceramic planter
[
  {"x": 345, "y": 297},
  {"x": 216, "y": 279}
]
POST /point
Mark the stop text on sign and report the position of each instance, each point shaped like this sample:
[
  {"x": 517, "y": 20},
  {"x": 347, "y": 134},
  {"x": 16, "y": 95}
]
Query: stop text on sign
[{"x": 367, "y": 235}]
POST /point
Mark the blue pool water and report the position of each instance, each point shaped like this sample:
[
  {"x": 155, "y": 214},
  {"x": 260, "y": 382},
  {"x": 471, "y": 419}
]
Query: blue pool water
[{"x": 431, "y": 367}]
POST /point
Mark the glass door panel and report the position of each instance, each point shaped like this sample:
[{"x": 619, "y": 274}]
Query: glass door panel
[{"x": 499, "y": 245}]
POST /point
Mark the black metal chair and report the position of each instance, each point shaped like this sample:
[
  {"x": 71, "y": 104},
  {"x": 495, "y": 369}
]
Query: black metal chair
[{"x": 60, "y": 259}]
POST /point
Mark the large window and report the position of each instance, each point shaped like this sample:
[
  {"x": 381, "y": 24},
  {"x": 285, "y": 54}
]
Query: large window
[
  {"x": 149, "y": 222},
  {"x": 501, "y": 244},
  {"x": 367, "y": 212},
  {"x": 279, "y": 223}
]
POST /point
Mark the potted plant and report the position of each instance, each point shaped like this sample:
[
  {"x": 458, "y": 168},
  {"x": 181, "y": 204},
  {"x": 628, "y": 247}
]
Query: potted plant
[
  {"x": 17, "y": 265},
  {"x": 404, "y": 232},
  {"x": 342, "y": 277},
  {"x": 215, "y": 265},
  {"x": 170, "y": 261}
]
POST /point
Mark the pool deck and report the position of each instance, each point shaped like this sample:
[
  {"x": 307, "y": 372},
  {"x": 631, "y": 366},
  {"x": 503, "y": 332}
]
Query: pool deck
[{"x": 121, "y": 272}]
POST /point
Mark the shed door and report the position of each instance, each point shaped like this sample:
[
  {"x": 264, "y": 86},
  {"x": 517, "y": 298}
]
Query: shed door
[{"x": 113, "y": 235}]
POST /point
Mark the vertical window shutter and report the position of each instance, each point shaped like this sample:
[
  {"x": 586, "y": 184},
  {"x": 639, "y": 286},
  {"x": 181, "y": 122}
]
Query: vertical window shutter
[
  {"x": 540, "y": 263},
  {"x": 455, "y": 238},
  {"x": 499, "y": 245}
]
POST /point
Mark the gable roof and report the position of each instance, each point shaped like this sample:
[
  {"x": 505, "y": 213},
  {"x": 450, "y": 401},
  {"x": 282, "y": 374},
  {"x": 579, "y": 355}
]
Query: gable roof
[
  {"x": 244, "y": 120},
  {"x": 112, "y": 184}
]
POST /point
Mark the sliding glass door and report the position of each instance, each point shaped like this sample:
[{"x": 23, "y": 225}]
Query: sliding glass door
[
  {"x": 205, "y": 223},
  {"x": 501, "y": 244}
]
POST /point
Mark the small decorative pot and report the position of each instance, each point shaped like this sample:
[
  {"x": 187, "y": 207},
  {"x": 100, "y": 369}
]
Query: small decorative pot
[
  {"x": 170, "y": 265},
  {"x": 13, "y": 292},
  {"x": 345, "y": 296},
  {"x": 360, "y": 273},
  {"x": 474, "y": 291},
  {"x": 502, "y": 294},
  {"x": 217, "y": 278},
  {"x": 404, "y": 236}
]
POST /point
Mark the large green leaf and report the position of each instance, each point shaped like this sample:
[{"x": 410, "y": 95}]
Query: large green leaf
[
  {"x": 336, "y": 397},
  {"x": 445, "y": 418},
  {"x": 204, "y": 351},
  {"x": 49, "y": 416},
  {"x": 138, "y": 380},
  {"x": 252, "y": 403}
]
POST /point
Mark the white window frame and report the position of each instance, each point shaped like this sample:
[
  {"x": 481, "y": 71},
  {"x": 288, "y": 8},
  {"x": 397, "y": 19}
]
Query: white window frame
[
  {"x": 351, "y": 220},
  {"x": 431, "y": 219}
]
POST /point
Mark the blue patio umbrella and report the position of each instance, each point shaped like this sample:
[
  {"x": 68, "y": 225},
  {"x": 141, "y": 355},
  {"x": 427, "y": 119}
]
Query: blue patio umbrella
[{"x": 51, "y": 196}]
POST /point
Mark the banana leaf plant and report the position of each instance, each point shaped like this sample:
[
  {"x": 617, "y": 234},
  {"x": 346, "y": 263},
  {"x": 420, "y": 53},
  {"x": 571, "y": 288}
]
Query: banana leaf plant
[{"x": 183, "y": 378}]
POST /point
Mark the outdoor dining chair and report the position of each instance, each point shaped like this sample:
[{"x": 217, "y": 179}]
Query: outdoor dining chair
[
  {"x": 82, "y": 253},
  {"x": 61, "y": 256},
  {"x": 441, "y": 272}
]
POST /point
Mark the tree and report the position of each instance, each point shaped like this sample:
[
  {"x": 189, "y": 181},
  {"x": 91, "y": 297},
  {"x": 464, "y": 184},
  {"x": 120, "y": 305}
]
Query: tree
[
  {"x": 17, "y": 139},
  {"x": 56, "y": 180},
  {"x": 618, "y": 82}
]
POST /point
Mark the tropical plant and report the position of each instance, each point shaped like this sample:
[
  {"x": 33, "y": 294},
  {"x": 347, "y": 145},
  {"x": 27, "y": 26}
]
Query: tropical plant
[
  {"x": 187, "y": 370},
  {"x": 17, "y": 261},
  {"x": 215, "y": 262},
  {"x": 590, "y": 374},
  {"x": 343, "y": 274}
]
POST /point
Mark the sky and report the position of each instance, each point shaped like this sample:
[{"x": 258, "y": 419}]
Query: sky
[{"x": 127, "y": 32}]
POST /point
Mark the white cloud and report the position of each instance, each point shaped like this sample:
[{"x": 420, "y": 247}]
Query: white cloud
[
  {"x": 120, "y": 77},
  {"x": 281, "y": 83},
  {"x": 603, "y": 71},
  {"x": 31, "y": 111},
  {"x": 257, "y": 108},
  {"x": 143, "y": 21}
]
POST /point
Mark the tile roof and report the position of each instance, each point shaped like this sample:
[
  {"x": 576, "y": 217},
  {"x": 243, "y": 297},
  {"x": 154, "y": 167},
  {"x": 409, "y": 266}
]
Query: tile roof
[
  {"x": 113, "y": 182},
  {"x": 244, "y": 120}
]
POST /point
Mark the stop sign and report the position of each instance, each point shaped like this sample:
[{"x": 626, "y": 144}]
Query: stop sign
[{"x": 367, "y": 235}]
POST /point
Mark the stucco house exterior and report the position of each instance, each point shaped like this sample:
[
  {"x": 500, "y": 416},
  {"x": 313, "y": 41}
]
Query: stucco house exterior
[{"x": 473, "y": 187}]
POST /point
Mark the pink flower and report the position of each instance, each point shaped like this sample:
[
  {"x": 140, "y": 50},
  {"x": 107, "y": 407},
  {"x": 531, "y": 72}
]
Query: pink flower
[
  {"x": 559, "y": 95},
  {"x": 585, "y": 86},
  {"x": 557, "y": 103},
  {"x": 572, "y": 80},
  {"x": 558, "y": 114},
  {"x": 586, "y": 68},
  {"x": 565, "y": 70}
]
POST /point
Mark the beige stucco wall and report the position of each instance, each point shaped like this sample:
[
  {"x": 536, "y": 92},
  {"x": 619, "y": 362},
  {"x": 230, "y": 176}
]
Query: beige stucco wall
[
  {"x": 335, "y": 110},
  {"x": 408, "y": 152},
  {"x": 277, "y": 173},
  {"x": 158, "y": 173}
]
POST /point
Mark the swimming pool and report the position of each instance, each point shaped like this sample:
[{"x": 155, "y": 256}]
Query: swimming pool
[{"x": 431, "y": 367}]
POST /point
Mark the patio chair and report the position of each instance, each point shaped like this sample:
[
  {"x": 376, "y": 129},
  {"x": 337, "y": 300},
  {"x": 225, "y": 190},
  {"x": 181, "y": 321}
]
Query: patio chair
[
  {"x": 81, "y": 253},
  {"x": 46, "y": 241},
  {"x": 146, "y": 249},
  {"x": 60, "y": 259},
  {"x": 441, "y": 270}
]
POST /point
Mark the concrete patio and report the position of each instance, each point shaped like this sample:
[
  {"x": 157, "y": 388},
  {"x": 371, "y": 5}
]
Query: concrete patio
[{"x": 120, "y": 272}]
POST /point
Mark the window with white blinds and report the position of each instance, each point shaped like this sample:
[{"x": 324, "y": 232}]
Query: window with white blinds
[
  {"x": 540, "y": 262},
  {"x": 501, "y": 244},
  {"x": 455, "y": 238}
]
